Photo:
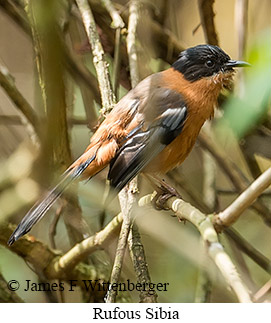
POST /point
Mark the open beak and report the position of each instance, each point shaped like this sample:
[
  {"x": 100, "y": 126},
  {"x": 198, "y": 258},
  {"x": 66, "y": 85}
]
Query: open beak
[{"x": 231, "y": 63}]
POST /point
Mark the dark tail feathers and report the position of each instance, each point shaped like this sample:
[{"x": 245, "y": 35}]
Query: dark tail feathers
[{"x": 41, "y": 207}]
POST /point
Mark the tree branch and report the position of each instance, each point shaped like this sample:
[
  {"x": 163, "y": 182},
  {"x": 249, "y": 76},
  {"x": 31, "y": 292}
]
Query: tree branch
[
  {"x": 108, "y": 98},
  {"x": 248, "y": 249},
  {"x": 45, "y": 260},
  {"x": 163, "y": 36},
  {"x": 204, "y": 283},
  {"x": 117, "y": 21},
  {"x": 216, "y": 251},
  {"x": 8, "y": 84},
  {"x": 118, "y": 24},
  {"x": 126, "y": 199},
  {"x": 131, "y": 41},
  {"x": 241, "y": 21},
  {"x": 243, "y": 201},
  {"x": 134, "y": 241},
  {"x": 127, "y": 195},
  {"x": 230, "y": 169},
  {"x": 82, "y": 249},
  {"x": 6, "y": 295},
  {"x": 138, "y": 257},
  {"x": 207, "y": 21}
]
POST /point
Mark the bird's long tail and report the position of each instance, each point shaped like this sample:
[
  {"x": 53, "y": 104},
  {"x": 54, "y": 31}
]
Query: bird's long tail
[{"x": 40, "y": 208}]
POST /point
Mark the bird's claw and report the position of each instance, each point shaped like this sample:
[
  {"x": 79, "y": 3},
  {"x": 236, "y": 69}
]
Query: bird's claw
[{"x": 164, "y": 192}]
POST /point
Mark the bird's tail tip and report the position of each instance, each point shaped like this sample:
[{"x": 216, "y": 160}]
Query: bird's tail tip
[
  {"x": 42, "y": 206},
  {"x": 11, "y": 240}
]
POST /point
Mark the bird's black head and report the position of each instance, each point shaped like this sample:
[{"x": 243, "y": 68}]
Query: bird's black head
[{"x": 203, "y": 61}]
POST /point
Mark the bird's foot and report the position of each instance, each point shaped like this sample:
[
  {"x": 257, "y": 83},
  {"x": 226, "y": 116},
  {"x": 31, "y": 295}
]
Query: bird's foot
[{"x": 164, "y": 192}]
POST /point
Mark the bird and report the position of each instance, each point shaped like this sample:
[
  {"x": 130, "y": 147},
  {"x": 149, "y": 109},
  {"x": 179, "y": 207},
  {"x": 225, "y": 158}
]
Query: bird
[{"x": 153, "y": 128}]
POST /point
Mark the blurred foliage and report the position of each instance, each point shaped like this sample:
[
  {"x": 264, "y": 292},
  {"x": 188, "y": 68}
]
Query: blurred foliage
[{"x": 244, "y": 112}]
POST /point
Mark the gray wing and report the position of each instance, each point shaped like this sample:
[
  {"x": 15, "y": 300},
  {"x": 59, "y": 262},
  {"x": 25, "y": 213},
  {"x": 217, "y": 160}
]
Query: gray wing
[{"x": 144, "y": 145}]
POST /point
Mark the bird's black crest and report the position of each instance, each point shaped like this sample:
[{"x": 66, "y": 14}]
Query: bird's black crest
[{"x": 201, "y": 61}]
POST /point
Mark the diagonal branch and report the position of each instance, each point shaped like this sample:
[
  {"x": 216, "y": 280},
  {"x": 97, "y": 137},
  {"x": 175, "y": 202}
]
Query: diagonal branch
[
  {"x": 241, "y": 243},
  {"x": 216, "y": 251},
  {"x": 7, "y": 295},
  {"x": 138, "y": 257},
  {"x": 101, "y": 66},
  {"x": 131, "y": 41},
  {"x": 117, "y": 21},
  {"x": 207, "y": 21},
  {"x": 8, "y": 84},
  {"x": 237, "y": 178},
  {"x": 82, "y": 249},
  {"x": 243, "y": 201},
  {"x": 118, "y": 24},
  {"x": 126, "y": 198},
  {"x": 248, "y": 249},
  {"x": 43, "y": 259}
]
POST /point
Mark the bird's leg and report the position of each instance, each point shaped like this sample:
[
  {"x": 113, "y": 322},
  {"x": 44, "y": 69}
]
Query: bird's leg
[{"x": 164, "y": 191}]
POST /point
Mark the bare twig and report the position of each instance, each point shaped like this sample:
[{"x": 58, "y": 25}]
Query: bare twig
[
  {"x": 77, "y": 70},
  {"x": 208, "y": 144},
  {"x": 8, "y": 84},
  {"x": 52, "y": 229},
  {"x": 126, "y": 198},
  {"x": 88, "y": 95},
  {"x": 204, "y": 283},
  {"x": 140, "y": 265},
  {"x": 207, "y": 21},
  {"x": 192, "y": 193},
  {"x": 117, "y": 21},
  {"x": 248, "y": 249},
  {"x": 17, "y": 14},
  {"x": 209, "y": 178},
  {"x": 16, "y": 120},
  {"x": 118, "y": 24},
  {"x": 43, "y": 259},
  {"x": 241, "y": 21},
  {"x": 234, "y": 192},
  {"x": 243, "y": 201},
  {"x": 116, "y": 63},
  {"x": 241, "y": 264},
  {"x": 108, "y": 98},
  {"x": 163, "y": 36},
  {"x": 82, "y": 249},
  {"x": 259, "y": 295},
  {"x": 80, "y": 73},
  {"x": 7, "y": 295},
  {"x": 131, "y": 41},
  {"x": 55, "y": 152},
  {"x": 235, "y": 176},
  {"x": 216, "y": 251},
  {"x": 49, "y": 54},
  {"x": 240, "y": 242}
]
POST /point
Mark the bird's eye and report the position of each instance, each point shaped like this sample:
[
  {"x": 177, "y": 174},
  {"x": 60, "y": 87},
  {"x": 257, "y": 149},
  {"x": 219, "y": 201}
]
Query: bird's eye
[{"x": 210, "y": 63}]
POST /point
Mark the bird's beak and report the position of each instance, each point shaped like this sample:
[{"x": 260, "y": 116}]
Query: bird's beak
[{"x": 231, "y": 63}]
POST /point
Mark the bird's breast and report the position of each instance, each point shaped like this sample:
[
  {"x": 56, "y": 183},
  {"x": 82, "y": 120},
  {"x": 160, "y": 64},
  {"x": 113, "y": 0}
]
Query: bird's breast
[
  {"x": 201, "y": 99},
  {"x": 177, "y": 151}
]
